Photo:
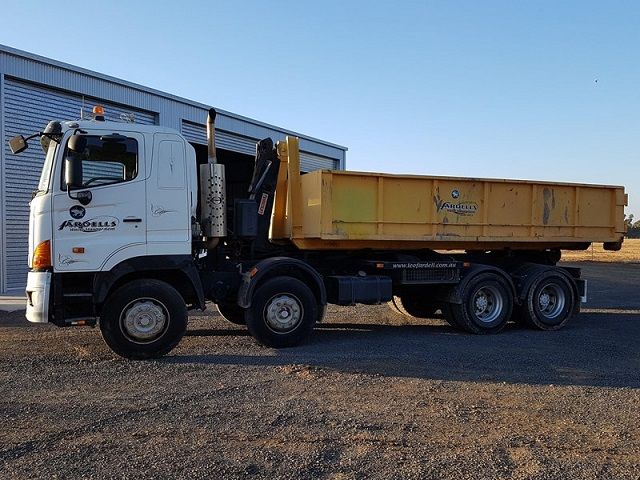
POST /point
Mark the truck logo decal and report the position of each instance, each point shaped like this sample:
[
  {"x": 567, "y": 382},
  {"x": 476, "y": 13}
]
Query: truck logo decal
[
  {"x": 158, "y": 210},
  {"x": 97, "y": 224},
  {"x": 455, "y": 193},
  {"x": 77, "y": 212},
  {"x": 462, "y": 208},
  {"x": 459, "y": 208}
]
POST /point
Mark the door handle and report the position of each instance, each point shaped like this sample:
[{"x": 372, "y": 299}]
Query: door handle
[{"x": 131, "y": 220}]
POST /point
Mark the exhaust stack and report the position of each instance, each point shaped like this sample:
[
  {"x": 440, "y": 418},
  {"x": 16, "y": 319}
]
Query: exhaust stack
[
  {"x": 213, "y": 198},
  {"x": 211, "y": 136}
]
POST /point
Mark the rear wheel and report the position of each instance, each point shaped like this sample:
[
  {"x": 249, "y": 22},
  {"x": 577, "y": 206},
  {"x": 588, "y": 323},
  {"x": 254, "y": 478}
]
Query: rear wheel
[
  {"x": 550, "y": 302},
  {"x": 283, "y": 312},
  {"x": 232, "y": 313},
  {"x": 143, "y": 319},
  {"x": 487, "y": 303}
]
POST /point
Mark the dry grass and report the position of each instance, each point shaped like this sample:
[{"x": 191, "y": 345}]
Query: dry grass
[{"x": 630, "y": 253}]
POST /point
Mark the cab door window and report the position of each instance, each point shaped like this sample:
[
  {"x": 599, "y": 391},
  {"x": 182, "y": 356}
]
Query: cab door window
[{"x": 106, "y": 160}]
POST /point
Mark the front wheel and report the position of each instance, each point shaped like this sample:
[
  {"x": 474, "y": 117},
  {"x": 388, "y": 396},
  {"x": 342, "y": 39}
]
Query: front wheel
[
  {"x": 283, "y": 312},
  {"x": 143, "y": 319}
]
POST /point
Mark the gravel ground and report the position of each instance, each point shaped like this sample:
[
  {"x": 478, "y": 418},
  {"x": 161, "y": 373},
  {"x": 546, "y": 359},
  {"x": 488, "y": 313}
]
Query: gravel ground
[{"x": 372, "y": 395}]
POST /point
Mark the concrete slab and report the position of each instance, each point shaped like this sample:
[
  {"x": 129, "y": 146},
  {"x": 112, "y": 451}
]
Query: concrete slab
[{"x": 12, "y": 303}]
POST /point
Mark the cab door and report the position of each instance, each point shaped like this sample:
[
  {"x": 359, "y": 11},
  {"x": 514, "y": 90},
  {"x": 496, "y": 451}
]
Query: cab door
[
  {"x": 112, "y": 226},
  {"x": 169, "y": 202}
]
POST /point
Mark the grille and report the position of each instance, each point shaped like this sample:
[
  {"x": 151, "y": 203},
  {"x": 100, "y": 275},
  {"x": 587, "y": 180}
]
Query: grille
[{"x": 430, "y": 275}]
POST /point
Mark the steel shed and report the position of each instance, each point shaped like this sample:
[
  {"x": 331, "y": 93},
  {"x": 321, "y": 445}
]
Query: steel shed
[{"x": 35, "y": 89}]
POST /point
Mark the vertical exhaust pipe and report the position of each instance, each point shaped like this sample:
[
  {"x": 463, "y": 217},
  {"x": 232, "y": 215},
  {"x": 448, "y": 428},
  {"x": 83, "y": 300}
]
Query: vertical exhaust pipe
[
  {"x": 213, "y": 198},
  {"x": 211, "y": 136}
]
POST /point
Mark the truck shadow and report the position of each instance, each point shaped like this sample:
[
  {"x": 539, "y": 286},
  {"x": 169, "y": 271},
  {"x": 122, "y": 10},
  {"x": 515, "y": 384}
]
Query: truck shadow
[{"x": 597, "y": 349}]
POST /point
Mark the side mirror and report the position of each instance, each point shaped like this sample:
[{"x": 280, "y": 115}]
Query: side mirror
[
  {"x": 73, "y": 172},
  {"x": 18, "y": 144},
  {"x": 73, "y": 179},
  {"x": 77, "y": 143}
]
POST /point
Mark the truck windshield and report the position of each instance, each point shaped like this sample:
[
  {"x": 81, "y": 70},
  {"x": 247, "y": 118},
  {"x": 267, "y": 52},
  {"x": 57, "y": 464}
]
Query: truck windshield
[{"x": 45, "y": 176}]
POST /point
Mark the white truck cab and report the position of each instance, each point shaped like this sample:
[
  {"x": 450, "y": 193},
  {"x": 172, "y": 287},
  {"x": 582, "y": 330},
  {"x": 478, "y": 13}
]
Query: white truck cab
[{"x": 134, "y": 196}]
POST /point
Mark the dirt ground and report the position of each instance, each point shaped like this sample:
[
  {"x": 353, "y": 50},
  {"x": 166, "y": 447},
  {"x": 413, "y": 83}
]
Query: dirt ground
[{"x": 372, "y": 395}]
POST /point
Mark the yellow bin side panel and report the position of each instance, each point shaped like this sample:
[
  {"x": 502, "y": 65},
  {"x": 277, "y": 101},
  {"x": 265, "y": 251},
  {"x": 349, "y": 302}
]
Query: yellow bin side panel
[{"x": 343, "y": 208}]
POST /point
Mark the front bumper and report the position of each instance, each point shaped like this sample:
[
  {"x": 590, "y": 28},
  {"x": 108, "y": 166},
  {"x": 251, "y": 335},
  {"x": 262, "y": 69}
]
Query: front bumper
[{"x": 38, "y": 292}]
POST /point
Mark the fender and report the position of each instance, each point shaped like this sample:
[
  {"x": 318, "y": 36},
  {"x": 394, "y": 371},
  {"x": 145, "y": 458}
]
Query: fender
[
  {"x": 525, "y": 276},
  {"x": 104, "y": 281},
  {"x": 529, "y": 273},
  {"x": 278, "y": 264},
  {"x": 453, "y": 295}
]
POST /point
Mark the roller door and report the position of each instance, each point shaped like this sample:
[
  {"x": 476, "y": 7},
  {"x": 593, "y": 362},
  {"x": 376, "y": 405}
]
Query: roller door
[
  {"x": 198, "y": 134},
  {"x": 27, "y": 109},
  {"x": 310, "y": 162}
]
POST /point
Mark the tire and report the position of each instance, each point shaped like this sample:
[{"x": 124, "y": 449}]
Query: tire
[
  {"x": 449, "y": 317},
  {"x": 143, "y": 319},
  {"x": 232, "y": 313},
  {"x": 549, "y": 303},
  {"x": 412, "y": 306},
  {"x": 283, "y": 312},
  {"x": 487, "y": 304}
]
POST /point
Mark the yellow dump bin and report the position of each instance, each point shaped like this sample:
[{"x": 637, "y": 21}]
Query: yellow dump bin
[{"x": 352, "y": 210}]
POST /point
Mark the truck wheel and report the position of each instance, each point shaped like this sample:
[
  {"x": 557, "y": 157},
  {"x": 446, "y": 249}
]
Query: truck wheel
[
  {"x": 412, "y": 306},
  {"x": 450, "y": 318},
  {"x": 486, "y": 305},
  {"x": 283, "y": 312},
  {"x": 143, "y": 319},
  {"x": 232, "y": 313},
  {"x": 549, "y": 303}
]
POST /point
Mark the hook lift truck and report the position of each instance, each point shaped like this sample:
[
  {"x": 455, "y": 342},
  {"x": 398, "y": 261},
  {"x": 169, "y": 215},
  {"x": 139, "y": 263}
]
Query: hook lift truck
[{"x": 130, "y": 228}]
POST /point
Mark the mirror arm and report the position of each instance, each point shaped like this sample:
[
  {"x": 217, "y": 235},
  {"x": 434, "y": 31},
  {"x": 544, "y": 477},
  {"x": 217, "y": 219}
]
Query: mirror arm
[
  {"x": 56, "y": 137},
  {"x": 37, "y": 134}
]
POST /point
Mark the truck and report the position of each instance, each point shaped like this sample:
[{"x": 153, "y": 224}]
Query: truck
[{"x": 131, "y": 227}]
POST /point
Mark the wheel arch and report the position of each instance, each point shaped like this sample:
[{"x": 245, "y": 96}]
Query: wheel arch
[
  {"x": 526, "y": 275},
  {"x": 454, "y": 295},
  {"x": 175, "y": 270},
  {"x": 281, "y": 266}
]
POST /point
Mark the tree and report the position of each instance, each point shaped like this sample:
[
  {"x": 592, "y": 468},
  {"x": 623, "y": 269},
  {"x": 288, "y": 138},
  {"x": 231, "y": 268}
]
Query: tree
[
  {"x": 628, "y": 220},
  {"x": 633, "y": 228}
]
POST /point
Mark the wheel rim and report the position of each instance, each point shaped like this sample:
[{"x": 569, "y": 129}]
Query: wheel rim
[
  {"x": 487, "y": 304},
  {"x": 144, "y": 320},
  {"x": 551, "y": 300},
  {"x": 283, "y": 313}
]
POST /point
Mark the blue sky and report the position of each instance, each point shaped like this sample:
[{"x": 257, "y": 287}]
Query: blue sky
[{"x": 545, "y": 90}]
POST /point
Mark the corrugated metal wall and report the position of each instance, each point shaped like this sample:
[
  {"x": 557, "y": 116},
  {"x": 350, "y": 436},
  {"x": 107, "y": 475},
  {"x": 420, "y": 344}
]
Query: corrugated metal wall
[
  {"x": 198, "y": 134},
  {"x": 27, "y": 109}
]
